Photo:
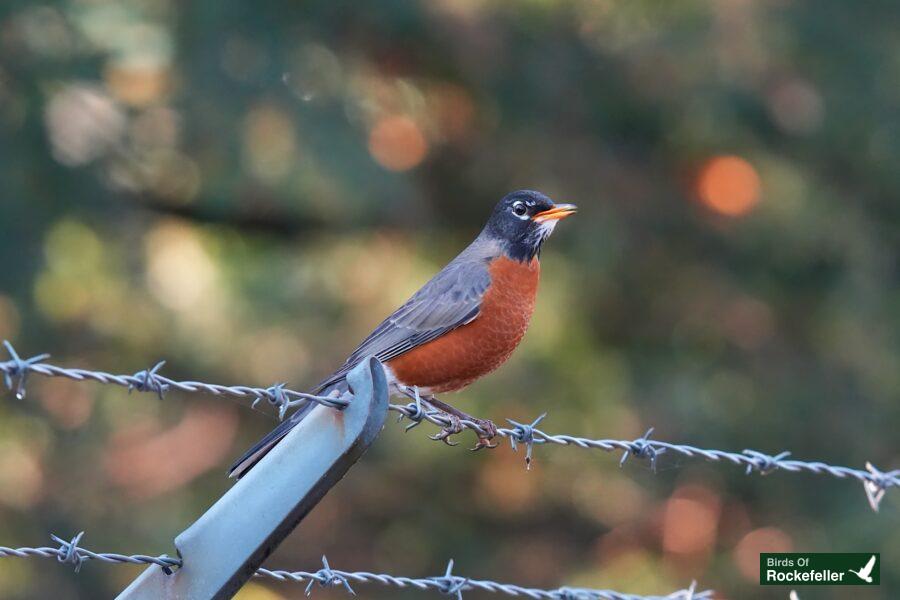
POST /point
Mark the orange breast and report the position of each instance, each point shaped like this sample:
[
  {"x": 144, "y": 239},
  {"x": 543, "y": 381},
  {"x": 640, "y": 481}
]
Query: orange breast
[{"x": 461, "y": 356}]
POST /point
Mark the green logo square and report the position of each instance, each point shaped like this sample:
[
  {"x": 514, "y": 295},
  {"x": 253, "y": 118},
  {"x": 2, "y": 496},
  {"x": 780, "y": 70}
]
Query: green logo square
[{"x": 820, "y": 568}]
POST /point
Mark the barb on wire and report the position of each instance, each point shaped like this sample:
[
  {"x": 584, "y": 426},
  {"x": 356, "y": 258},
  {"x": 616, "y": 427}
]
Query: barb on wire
[
  {"x": 524, "y": 434},
  {"x": 642, "y": 448},
  {"x": 149, "y": 381},
  {"x": 763, "y": 463},
  {"x": 326, "y": 577},
  {"x": 416, "y": 412},
  {"x": 68, "y": 551},
  {"x": 448, "y": 583},
  {"x": 878, "y": 485},
  {"x": 875, "y": 482},
  {"x": 16, "y": 370}
]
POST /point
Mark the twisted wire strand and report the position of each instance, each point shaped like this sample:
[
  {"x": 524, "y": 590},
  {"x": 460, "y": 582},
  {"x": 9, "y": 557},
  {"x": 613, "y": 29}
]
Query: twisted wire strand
[
  {"x": 455, "y": 585},
  {"x": 70, "y": 552},
  {"x": 875, "y": 482},
  {"x": 16, "y": 371}
]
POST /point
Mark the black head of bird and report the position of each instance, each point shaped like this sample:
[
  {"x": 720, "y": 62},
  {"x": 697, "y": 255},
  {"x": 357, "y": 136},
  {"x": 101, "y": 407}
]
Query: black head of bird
[{"x": 523, "y": 220}]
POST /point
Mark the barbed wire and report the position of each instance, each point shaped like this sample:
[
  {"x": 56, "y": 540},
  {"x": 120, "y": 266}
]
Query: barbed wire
[
  {"x": 16, "y": 370},
  {"x": 875, "y": 482},
  {"x": 455, "y": 585},
  {"x": 70, "y": 552},
  {"x": 450, "y": 584}
]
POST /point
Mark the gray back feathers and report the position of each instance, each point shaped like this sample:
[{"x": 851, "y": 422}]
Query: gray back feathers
[{"x": 450, "y": 299}]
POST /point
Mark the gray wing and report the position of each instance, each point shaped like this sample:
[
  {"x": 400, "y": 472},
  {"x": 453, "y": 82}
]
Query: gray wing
[{"x": 451, "y": 299}]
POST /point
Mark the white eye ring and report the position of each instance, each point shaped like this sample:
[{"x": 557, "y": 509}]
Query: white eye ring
[{"x": 519, "y": 210}]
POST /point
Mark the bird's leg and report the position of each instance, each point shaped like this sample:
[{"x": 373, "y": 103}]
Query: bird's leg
[
  {"x": 452, "y": 428},
  {"x": 453, "y": 425},
  {"x": 486, "y": 432},
  {"x": 487, "y": 428}
]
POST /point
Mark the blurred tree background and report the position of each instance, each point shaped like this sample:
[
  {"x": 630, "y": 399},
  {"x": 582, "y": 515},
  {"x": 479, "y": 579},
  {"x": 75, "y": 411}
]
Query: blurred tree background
[{"x": 245, "y": 189}]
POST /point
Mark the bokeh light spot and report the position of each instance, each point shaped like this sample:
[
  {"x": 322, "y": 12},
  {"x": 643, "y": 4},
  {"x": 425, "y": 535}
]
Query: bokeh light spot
[
  {"x": 691, "y": 521},
  {"x": 83, "y": 123},
  {"x": 796, "y": 106},
  {"x": 729, "y": 185},
  {"x": 270, "y": 146},
  {"x": 180, "y": 273},
  {"x": 454, "y": 110},
  {"x": 75, "y": 277},
  {"x": 199, "y": 442},
  {"x": 766, "y": 539},
  {"x": 607, "y": 499},
  {"x": 21, "y": 475},
  {"x": 69, "y": 404},
  {"x": 397, "y": 143},
  {"x": 137, "y": 85},
  {"x": 505, "y": 488}
]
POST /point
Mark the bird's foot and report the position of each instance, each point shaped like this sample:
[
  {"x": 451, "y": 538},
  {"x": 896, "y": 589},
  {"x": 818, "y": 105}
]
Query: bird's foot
[
  {"x": 452, "y": 428},
  {"x": 487, "y": 433},
  {"x": 484, "y": 428}
]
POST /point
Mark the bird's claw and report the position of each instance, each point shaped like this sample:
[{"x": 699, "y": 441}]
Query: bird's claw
[
  {"x": 482, "y": 443},
  {"x": 452, "y": 428},
  {"x": 484, "y": 439}
]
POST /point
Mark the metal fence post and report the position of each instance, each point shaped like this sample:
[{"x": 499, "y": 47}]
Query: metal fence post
[{"x": 222, "y": 549}]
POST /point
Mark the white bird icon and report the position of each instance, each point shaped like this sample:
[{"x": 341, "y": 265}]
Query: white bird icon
[{"x": 866, "y": 572}]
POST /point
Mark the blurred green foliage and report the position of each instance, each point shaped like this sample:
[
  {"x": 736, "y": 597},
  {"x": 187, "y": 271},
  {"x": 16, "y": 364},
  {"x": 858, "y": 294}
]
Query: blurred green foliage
[{"x": 245, "y": 189}]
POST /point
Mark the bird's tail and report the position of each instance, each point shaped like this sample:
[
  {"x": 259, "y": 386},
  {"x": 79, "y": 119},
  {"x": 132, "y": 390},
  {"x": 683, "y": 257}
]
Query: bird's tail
[{"x": 255, "y": 454}]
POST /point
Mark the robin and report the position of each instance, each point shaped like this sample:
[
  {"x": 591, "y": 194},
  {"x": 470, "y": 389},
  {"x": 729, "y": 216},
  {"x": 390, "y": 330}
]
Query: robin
[{"x": 460, "y": 326}]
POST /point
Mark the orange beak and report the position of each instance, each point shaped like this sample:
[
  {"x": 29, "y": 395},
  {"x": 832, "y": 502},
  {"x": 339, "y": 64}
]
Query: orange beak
[{"x": 558, "y": 212}]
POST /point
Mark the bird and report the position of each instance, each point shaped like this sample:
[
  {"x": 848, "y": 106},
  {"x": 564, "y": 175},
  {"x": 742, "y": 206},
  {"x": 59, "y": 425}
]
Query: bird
[
  {"x": 461, "y": 325},
  {"x": 866, "y": 572}
]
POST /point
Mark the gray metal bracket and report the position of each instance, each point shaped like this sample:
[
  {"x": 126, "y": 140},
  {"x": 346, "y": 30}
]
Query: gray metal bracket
[{"x": 223, "y": 548}]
